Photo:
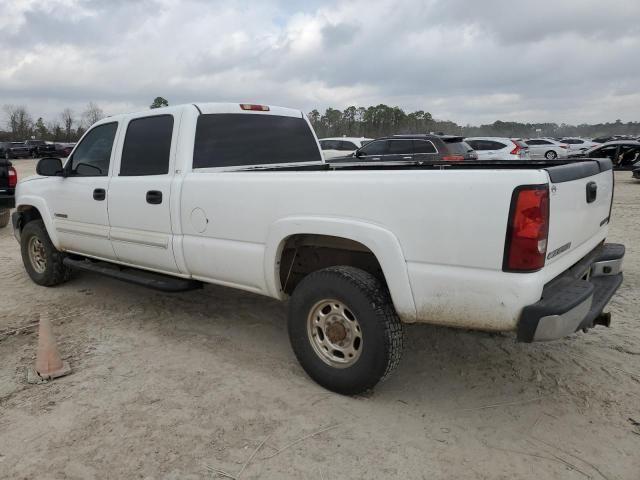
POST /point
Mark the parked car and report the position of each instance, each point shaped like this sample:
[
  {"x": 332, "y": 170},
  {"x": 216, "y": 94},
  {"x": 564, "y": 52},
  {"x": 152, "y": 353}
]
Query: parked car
[
  {"x": 8, "y": 182},
  {"x": 63, "y": 149},
  {"x": 578, "y": 144},
  {"x": 412, "y": 148},
  {"x": 546, "y": 148},
  {"x": 10, "y": 150},
  {"x": 622, "y": 153},
  {"x": 499, "y": 148},
  {"x": 40, "y": 148},
  {"x": 239, "y": 195},
  {"x": 341, "y": 146}
]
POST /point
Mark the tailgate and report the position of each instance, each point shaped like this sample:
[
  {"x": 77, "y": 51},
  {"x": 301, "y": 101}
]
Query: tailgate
[{"x": 580, "y": 203}]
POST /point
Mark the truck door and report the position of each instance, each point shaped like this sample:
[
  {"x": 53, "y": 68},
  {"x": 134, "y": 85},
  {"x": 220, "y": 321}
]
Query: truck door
[
  {"x": 140, "y": 191},
  {"x": 78, "y": 200}
]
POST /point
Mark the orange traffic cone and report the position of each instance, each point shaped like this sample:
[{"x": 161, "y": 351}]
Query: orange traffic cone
[{"x": 49, "y": 364}]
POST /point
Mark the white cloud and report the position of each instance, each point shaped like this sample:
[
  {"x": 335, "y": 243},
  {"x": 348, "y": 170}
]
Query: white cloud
[{"x": 471, "y": 62}]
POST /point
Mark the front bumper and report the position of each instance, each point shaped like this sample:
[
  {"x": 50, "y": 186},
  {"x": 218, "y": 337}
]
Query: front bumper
[{"x": 575, "y": 300}]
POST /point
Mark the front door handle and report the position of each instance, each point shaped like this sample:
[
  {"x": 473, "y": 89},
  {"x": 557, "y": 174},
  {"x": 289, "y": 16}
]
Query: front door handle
[
  {"x": 99, "y": 194},
  {"x": 154, "y": 197}
]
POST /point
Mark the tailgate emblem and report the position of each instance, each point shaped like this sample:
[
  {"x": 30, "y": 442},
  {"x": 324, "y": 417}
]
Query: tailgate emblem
[{"x": 558, "y": 251}]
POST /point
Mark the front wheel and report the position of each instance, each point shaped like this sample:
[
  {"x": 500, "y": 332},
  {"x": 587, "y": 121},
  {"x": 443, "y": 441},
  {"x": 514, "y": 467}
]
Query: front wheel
[
  {"x": 344, "y": 330},
  {"x": 42, "y": 261},
  {"x": 551, "y": 155},
  {"x": 4, "y": 217}
]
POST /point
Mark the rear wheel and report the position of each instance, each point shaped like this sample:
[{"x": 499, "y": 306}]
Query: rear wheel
[
  {"x": 4, "y": 217},
  {"x": 41, "y": 260},
  {"x": 551, "y": 155},
  {"x": 344, "y": 330}
]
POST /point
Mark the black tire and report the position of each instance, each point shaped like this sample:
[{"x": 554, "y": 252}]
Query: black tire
[
  {"x": 54, "y": 272},
  {"x": 551, "y": 155},
  {"x": 380, "y": 328},
  {"x": 5, "y": 215}
]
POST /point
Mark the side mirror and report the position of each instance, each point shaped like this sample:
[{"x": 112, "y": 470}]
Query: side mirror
[{"x": 49, "y": 167}]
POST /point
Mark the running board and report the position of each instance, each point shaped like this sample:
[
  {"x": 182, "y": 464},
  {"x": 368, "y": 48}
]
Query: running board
[{"x": 157, "y": 281}]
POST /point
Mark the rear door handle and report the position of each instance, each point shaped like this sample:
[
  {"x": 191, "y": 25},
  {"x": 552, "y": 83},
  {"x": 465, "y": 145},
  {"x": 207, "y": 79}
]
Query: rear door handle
[
  {"x": 407, "y": 158},
  {"x": 99, "y": 194},
  {"x": 154, "y": 197}
]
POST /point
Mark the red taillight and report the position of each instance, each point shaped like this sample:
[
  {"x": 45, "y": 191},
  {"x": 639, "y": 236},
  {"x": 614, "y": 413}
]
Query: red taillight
[
  {"x": 516, "y": 150},
  {"x": 564, "y": 146},
  {"x": 527, "y": 230},
  {"x": 453, "y": 158},
  {"x": 252, "y": 106},
  {"x": 13, "y": 177}
]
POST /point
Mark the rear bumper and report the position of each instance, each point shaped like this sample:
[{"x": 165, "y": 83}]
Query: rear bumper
[
  {"x": 575, "y": 300},
  {"x": 7, "y": 201}
]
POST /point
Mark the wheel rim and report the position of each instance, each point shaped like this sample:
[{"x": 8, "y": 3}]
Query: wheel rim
[
  {"x": 37, "y": 257},
  {"x": 551, "y": 155},
  {"x": 334, "y": 333}
]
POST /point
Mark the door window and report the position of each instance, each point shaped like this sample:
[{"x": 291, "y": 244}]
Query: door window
[
  {"x": 400, "y": 147},
  {"x": 93, "y": 154},
  {"x": 147, "y": 146},
  {"x": 378, "y": 147},
  {"x": 347, "y": 146}
]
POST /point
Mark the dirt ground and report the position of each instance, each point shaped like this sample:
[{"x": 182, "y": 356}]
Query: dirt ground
[{"x": 189, "y": 385}]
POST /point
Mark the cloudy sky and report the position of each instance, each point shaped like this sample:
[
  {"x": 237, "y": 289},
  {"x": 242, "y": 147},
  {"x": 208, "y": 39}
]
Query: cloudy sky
[{"x": 469, "y": 61}]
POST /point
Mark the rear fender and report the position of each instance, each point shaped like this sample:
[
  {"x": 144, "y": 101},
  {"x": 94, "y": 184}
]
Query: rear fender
[{"x": 384, "y": 245}]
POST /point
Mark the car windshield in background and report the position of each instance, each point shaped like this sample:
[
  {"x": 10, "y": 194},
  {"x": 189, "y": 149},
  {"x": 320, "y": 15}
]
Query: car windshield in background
[{"x": 233, "y": 139}]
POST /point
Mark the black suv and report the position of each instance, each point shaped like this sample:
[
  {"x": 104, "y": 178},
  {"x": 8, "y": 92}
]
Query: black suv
[
  {"x": 412, "y": 148},
  {"x": 39, "y": 148}
]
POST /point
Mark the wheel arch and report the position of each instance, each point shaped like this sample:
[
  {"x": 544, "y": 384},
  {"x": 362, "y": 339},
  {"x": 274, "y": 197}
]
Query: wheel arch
[
  {"x": 342, "y": 235},
  {"x": 33, "y": 208}
]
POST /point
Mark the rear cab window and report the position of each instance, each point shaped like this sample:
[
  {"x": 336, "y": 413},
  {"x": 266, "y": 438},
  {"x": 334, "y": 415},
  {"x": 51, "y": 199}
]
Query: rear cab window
[{"x": 241, "y": 139}]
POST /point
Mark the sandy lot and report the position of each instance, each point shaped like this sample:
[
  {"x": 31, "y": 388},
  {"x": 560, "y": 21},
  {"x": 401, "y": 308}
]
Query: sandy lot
[{"x": 181, "y": 386}]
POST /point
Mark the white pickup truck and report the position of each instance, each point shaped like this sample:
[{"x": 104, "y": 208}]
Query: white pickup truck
[{"x": 238, "y": 195}]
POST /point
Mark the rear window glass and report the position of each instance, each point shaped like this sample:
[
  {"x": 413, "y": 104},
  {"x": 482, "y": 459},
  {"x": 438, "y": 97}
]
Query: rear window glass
[
  {"x": 423, "y": 146},
  {"x": 236, "y": 139},
  {"x": 458, "y": 148}
]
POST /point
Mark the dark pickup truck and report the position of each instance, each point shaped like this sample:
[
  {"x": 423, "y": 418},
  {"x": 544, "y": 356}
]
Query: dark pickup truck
[{"x": 8, "y": 181}]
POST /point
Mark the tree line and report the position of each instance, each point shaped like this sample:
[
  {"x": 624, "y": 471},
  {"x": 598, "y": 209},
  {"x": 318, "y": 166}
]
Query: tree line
[
  {"x": 372, "y": 122},
  {"x": 67, "y": 126},
  {"x": 380, "y": 120}
]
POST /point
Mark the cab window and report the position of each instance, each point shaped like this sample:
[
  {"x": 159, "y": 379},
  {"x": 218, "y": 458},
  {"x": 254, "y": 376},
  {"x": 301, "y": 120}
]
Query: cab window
[{"x": 92, "y": 156}]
